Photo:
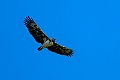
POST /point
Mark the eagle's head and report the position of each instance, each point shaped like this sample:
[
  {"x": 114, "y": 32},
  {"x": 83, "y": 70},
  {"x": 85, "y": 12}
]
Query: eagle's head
[{"x": 53, "y": 39}]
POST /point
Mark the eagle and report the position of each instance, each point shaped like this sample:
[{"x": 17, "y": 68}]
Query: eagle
[{"x": 45, "y": 41}]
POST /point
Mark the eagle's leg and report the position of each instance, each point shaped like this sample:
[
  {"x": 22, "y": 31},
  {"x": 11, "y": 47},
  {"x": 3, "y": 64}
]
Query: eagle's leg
[{"x": 40, "y": 48}]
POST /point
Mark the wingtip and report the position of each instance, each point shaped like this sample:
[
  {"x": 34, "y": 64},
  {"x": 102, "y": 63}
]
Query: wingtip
[
  {"x": 28, "y": 20},
  {"x": 70, "y": 55}
]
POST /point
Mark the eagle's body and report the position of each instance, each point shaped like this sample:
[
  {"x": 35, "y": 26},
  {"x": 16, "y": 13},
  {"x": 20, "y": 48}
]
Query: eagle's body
[{"x": 46, "y": 42}]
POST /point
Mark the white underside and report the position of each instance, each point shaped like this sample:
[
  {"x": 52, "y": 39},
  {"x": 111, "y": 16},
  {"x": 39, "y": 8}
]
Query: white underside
[{"x": 47, "y": 44}]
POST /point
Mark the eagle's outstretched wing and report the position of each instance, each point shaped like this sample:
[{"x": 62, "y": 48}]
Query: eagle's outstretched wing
[
  {"x": 61, "y": 50},
  {"x": 35, "y": 31},
  {"x": 40, "y": 37}
]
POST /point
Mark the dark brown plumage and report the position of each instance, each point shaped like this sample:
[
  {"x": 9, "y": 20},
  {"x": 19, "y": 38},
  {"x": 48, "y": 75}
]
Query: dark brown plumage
[{"x": 40, "y": 37}]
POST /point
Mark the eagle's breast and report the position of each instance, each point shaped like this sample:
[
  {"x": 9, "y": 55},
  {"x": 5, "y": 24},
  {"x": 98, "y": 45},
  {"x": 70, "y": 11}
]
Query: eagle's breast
[{"x": 48, "y": 43}]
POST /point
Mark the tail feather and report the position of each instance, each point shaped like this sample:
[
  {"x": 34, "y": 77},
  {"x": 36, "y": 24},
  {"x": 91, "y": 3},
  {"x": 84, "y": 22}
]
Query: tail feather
[{"x": 40, "y": 48}]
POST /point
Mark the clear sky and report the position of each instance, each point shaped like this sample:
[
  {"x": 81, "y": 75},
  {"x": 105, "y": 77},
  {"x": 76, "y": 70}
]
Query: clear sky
[{"x": 90, "y": 27}]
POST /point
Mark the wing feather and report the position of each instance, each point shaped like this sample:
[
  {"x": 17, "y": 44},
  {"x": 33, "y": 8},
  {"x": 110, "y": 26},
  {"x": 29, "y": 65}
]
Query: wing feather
[
  {"x": 61, "y": 50},
  {"x": 34, "y": 30}
]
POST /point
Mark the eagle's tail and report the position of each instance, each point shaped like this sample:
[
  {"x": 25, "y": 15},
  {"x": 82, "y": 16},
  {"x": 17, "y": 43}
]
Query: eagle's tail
[{"x": 40, "y": 48}]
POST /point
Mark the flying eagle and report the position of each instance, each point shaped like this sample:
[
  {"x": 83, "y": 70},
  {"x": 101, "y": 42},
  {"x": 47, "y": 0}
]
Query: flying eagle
[{"x": 46, "y": 42}]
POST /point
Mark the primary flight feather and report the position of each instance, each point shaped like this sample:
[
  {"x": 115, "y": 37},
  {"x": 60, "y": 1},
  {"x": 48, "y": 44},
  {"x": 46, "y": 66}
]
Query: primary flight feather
[{"x": 46, "y": 42}]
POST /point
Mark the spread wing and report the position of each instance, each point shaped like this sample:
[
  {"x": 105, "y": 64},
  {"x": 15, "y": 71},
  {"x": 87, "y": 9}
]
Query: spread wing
[
  {"x": 34, "y": 30},
  {"x": 61, "y": 50}
]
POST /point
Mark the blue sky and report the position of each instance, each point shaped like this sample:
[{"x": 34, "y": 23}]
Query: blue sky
[{"x": 90, "y": 27}]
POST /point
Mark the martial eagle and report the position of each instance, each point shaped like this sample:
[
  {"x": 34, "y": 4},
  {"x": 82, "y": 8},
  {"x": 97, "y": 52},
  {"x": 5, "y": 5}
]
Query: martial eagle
[{"x": 46, "y": 42}]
